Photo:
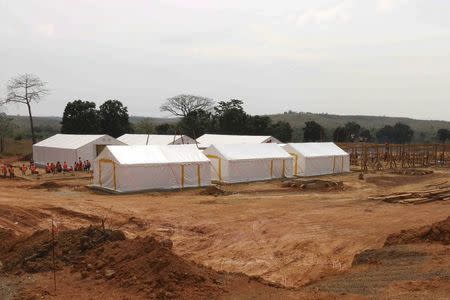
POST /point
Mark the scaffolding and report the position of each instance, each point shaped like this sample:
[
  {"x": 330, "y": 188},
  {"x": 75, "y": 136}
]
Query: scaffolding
[{"x": 367, "y": 156}]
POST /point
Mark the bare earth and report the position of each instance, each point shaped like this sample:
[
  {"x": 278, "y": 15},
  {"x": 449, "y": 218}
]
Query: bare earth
[{"x": 303, "y": 240}]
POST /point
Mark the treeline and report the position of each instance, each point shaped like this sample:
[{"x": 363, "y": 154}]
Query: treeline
[
  {"x": 353, "y": 132},
  {"x": 198, "y": 115}
]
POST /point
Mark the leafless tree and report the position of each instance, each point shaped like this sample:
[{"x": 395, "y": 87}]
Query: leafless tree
[
  {"x": 26, "y": 89},
  {"x": 182, "y": 105}
]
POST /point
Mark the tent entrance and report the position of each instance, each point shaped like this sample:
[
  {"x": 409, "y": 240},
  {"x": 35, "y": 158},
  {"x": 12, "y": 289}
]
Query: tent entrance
[
  {"x": 107, "y": 174},
  {"x": 216, "y": 161}
]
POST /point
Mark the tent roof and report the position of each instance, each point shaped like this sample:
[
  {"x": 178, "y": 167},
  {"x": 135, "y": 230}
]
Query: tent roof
[
  {"x": 317, "y": 149},
  {"x": 251, "y": 151},
  {"x": 156, "y": 154},
  {"x": 209, "y": 139},
  {"x": 72, "y": 141},
  {"x": 150, "y": 139}
]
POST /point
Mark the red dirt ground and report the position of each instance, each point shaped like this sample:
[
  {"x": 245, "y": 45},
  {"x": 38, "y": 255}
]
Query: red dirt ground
[{"x": 287, "y": 236}]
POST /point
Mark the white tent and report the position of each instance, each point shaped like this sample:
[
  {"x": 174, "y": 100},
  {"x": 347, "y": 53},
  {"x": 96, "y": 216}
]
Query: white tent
[
  {"x": 248, "y": 162},
  {"x": 70, "y": 147},
  {"x": 155, "y": 139},
  {"x": 207, "y": 140},
  {"x": 139, "y": 168},
  {"x": 311, "y": 159}
]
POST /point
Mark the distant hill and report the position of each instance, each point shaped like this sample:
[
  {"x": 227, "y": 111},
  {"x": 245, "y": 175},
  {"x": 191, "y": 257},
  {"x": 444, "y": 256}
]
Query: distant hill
[{"x": 425, "y": 130}]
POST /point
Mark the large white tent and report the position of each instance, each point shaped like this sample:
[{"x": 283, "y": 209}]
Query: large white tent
[
  {"x": 139, "y": 168},
  {"x": 248, "y": 162},
  {"x": 207, "y": 140},
  {"x": 70, "y": 147},
  {"x": 311, "y": 159},
  {"x": 155, "y": 139}
]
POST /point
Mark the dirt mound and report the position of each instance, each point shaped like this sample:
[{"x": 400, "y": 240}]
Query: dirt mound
[
  {"x": 214, "y": 190},
  {"x": 49, "y": 185},
  {"x": 141, "y": 266},
  {"x": 437, "y": 232},
  {"x": 383, "y": 255},
  {"x": 413, "y": 172},
  {"x": 314, "y": 184},
  {"x": 148, "y": 266},
  {"x": 34, "y": 253}
]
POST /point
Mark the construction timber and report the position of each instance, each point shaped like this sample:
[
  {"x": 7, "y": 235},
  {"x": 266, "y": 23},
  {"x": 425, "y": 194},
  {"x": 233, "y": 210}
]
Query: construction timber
[{"x": 367, "y": 156}]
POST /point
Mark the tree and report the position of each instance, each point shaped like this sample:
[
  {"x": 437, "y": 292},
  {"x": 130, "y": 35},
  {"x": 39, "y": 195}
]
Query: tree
[
  {"x": 144, "y": 126},
  {"x": 340, "y": 135},
  {"x": 399, "y": 133},
  {"x": 259, "y": 125},
  {"x": 26, "y": 89},
  {"x": 114, "y": 119},
  {"x": 385, "y": 134},
  {"x": 166, "y": 128},
  {"x": 313, "y": 132},
  {"x": 196, "y": 123},
  {"x": 443, "y": 135},
  {"x": 6, "y": 127},
  {"x": 282, "y": 131},
  {"x": 80, "y": 117},
  {"x": 402, "y": 133},
  {"x": 230, "y": 117},
  {"x": 365, "y": 135},
  {"x": 182, "y": 105},
  {"x": 349, "y": 133}
]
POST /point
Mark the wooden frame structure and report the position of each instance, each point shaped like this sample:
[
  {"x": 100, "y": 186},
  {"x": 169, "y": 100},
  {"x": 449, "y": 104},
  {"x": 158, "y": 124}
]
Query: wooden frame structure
[{"x": 368, "y": 156}]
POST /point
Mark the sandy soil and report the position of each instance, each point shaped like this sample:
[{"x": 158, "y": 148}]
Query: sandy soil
[{"x": 285, "y": 235}]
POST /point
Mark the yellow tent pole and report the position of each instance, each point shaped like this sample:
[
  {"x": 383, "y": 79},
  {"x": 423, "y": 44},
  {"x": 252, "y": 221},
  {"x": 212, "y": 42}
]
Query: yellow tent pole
[
  {"x": 295, "y": 163},
  {"x": 283, "y": 168},
  {"x": 100, "y": 173},
  {"x": 199, "y": 177},
  {"x": 334, "y": 163},
  {"x": 182, "y": 176},
  {"x": 271, "y": 168},
  {"x": 342, "y": 164},
  {"x": 114, "y": 176}
]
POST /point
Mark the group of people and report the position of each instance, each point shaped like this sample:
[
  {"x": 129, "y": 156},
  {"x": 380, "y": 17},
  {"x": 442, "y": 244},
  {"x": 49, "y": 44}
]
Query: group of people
[
  {"x": 8, "y": 170},
  {"x": 79, "y": 165}
]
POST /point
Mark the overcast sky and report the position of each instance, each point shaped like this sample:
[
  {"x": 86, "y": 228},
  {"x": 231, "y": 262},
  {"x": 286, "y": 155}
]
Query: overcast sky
[{"x": 371, "y": 57}]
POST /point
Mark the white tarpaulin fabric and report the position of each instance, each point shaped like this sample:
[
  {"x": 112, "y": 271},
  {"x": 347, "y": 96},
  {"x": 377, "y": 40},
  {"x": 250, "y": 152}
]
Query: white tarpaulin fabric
[
  {"x": 207, "y": 140},
  {"x": 155, "y": 139},
  {"x": 69, "y": 147},
  {"x": 248, "y": 162},
  {"x": 312, "y": 159},
  {"x": 139, "y": 168}
]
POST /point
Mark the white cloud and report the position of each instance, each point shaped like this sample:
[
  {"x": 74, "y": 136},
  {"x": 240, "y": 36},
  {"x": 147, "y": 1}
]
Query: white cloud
[
  {"x": 47, "y": 29},
  {"x": 339, "y": 12},
  {"x": 387, "y": 6}
]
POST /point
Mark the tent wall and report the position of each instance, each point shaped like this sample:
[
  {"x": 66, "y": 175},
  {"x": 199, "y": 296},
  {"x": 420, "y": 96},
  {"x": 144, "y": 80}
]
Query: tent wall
[
  {"x": 151, "y": 177},
  {"x": 313, "y": 166},
  {"x": 318, "y": 165},
  {"x": 68, "y": 148},
  {"x": 254, "y": 170},
  {"x": 43, "y": 155},
  {"x": 110, "y": 174}
]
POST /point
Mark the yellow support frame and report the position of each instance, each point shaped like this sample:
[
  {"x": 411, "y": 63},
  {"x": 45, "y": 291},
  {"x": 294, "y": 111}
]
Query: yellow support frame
[
  {"x": 219, "y": 163},
  {"x": 295, "y": 163},
  {"x": 182, "y": 176},
  {"x": 271, "y": 169},
  {"x": 106, "y": 161},
  {"x": 199, "y": 176}
]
